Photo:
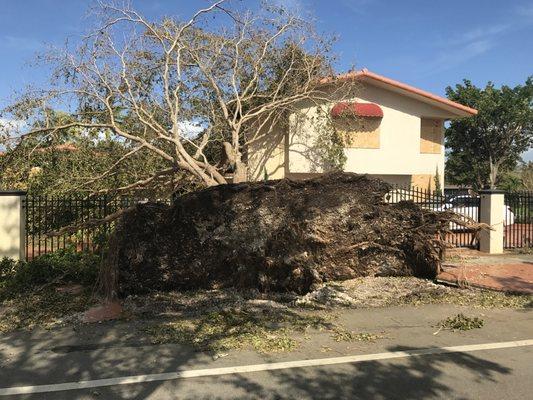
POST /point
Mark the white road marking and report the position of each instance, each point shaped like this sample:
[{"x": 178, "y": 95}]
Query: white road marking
[{"x": 241, "y": 369}]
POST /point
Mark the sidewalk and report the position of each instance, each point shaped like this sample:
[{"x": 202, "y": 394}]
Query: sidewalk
[{"x": 508, "y": 272}]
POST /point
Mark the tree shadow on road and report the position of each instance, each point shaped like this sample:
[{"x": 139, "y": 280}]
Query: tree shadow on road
[
  {"x": 416, "y": 377},
  {"x": 112, "y": 351}
]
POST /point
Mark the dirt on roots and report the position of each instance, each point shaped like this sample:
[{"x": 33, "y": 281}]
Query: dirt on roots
[{"x": 280, "y": 235}]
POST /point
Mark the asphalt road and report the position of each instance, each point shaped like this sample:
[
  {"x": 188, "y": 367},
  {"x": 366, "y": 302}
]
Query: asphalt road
[{"x": 471, "y": 372}]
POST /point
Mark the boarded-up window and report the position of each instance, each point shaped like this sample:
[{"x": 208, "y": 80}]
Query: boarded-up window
[
  {"x": 423, "y": 181},
  {"x": 361, "y": 133},
  {"x": 431, "y": 131}
]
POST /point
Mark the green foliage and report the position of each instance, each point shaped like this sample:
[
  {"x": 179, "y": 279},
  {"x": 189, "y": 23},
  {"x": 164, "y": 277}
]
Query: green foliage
[
  {"x": 461, "y": 322},
  {"x": 60, "y": 266},
  {"x": 68, "y": 160},
  {"x": 8, "y": 268},
  {"x": 327, "y": 152},
  {"x": 510, "y": 181},
  {"x": 331, "y": 150},
  {"x": 526, "y": 176},
  {"x": 438, "y": 184},
  {"x": 482, "y": 148}
]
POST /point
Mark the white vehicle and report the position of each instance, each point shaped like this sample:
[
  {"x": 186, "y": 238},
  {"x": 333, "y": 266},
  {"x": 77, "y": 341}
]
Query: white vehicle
[{"x": 469, "y": 207}]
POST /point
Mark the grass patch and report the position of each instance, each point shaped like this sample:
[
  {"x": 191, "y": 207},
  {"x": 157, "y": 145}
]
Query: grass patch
[
  {"x": 46, "y": 308},
  {"x": 266, "y": 331},
  {"x": 461, "y": 322}
]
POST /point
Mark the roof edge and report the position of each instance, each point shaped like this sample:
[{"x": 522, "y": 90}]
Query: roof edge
[{"x": 365, "y": 73}]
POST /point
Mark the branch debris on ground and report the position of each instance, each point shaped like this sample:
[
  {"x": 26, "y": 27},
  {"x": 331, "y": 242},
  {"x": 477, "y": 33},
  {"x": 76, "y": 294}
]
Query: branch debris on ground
[
  {"x": 51, "y": 308},
  {"x": 461, "y": 322}
]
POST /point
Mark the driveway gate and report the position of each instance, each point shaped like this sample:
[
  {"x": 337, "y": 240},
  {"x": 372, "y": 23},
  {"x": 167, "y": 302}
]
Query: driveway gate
[
  {"x": 463, "y": 202},
  {"x": 518, "y": 232}
]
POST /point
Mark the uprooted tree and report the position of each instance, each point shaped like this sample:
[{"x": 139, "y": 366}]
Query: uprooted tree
[
  {"x": 279, "y": 235},
  {"x": 192, "y": 94}
]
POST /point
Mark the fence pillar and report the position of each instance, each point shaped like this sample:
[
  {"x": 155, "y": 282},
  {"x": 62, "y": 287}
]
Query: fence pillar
[
  {"x": 12, "y": 225},
  {"x": 491, "y": 212}
]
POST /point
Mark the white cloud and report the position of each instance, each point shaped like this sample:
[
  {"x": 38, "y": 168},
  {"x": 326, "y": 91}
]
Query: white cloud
[
  {"x": 483, "y": 33},
  {"x": 11, "y": 125},
  {"x": 454, "y": 56},
  {"x": 528, "y": 155},
  {"x": 525, "y": 10},
  {"x": 464, "y": 46},
  {"x": 191, "y": 129}
]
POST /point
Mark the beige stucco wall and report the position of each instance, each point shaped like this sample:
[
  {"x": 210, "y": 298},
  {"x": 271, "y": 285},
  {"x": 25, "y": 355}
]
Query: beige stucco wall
[
  {"x": 295, "y": 150},
  {"x": 267, "y": 155},
  {"x": 399, "y": 151},
  {"x": 397, "y": 180},
  {"x": 12, "y": 224}
]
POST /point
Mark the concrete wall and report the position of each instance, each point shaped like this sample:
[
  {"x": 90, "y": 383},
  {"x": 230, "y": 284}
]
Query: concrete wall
[
  {"x": 12, "y": 225},
  {"x": 490, "y": 213}
]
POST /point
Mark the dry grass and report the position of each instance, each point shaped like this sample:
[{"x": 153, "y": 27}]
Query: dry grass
[
  {"x": 340, "y": 334},
  {"x": 229, "y": 319},
  {"x": 265, "y": 331},
  {"x": 46, "y": 308},
  {"x": 382, "y": 292}
]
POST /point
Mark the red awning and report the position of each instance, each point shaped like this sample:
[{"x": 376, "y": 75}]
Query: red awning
[{"x": 368, "y": 110}]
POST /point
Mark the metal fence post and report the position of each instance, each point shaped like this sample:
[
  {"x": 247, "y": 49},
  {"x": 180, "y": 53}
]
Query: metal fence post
[
  {"x": 492, "y": 213},
  {"x": 12, "y": 225}
]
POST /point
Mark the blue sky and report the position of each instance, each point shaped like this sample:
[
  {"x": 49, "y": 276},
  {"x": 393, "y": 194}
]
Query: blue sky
[{"x": 427, "y": 43}]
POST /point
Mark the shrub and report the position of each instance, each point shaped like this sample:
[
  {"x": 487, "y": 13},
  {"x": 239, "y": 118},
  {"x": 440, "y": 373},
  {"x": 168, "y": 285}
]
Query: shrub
[
  {"x": 8, "y": 267},
  {"x": 60, "y": 266}
]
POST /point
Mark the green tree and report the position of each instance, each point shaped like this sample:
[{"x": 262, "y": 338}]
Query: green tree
[
  {"x": 481, "y": 149},
  {"x": 526, "y": 176},
  {"x": 72, "y": 160}
]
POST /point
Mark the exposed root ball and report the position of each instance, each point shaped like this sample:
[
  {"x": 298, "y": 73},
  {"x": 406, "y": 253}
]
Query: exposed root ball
[{"x": 274, "y": 236}]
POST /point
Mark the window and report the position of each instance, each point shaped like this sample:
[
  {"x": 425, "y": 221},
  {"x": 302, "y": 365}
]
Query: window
[
  {"x": 361, "y": 133},
  {"x": 431, "y": 136}
]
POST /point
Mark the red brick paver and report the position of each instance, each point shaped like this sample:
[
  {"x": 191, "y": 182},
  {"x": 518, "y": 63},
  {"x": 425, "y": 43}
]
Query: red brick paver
[
  {"x": 103, "y": 312},
  {"x": 508, "y": 277}
]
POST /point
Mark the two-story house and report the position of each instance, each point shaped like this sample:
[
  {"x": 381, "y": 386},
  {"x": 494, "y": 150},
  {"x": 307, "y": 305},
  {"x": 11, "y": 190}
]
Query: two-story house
[{"x": 389, "y": 130}]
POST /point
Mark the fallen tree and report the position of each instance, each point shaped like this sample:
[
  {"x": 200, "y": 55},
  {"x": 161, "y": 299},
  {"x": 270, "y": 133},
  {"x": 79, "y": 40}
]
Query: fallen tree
[{"x": 274, "y": 236}]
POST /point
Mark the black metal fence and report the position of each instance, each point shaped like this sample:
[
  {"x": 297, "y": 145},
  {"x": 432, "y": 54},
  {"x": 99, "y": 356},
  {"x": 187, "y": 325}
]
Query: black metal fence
[
  {"x": 463, "y": 202},
  {"x": 518, "y": 213},
  {"x": 46, "y": 214},
  {"x": 518, "y": 220}
]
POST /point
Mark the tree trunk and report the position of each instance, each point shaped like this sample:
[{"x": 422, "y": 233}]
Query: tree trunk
[
  {"x": 241, "y": 173},
  {"x": 493, "y": 175},
  {"x": 233, "y": 159}
]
